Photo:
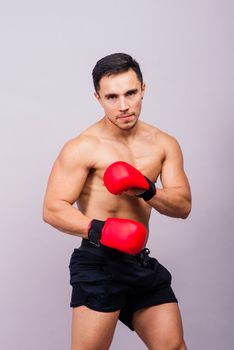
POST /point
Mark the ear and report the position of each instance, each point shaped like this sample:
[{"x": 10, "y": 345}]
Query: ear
[
  {"x": 142, "y": 90},
  {"x": 97, "y": 96}
]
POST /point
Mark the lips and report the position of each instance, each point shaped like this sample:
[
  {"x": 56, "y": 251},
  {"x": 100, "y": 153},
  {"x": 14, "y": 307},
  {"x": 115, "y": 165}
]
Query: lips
[{"x": 126, "y": 116}]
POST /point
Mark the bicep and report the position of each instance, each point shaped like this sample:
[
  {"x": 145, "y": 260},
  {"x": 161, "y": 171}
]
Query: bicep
[
  {"x": 67, "y": 176},
  {"x": 172, "y": 173}
]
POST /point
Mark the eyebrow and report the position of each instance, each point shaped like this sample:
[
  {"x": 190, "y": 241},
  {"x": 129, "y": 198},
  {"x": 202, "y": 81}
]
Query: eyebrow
[{"x": 126, "y": 93}]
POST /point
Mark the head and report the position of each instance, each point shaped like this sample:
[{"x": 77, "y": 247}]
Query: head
[
  {"x": 114, "y": 64},
  {"x": 119, "y": 88}
]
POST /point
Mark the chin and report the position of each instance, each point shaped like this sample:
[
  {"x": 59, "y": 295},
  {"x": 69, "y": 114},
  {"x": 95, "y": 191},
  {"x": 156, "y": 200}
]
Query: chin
[{"x": 127, "y": 126}]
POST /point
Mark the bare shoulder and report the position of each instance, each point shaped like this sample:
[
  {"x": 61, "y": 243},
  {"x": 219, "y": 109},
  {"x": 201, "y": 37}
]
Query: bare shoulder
[
  {"x": 80, "y": 149},
  {"x": 167, "y": 140},
  {"x": 171, "y": 147},
  {"x": 159, "y": 135}
]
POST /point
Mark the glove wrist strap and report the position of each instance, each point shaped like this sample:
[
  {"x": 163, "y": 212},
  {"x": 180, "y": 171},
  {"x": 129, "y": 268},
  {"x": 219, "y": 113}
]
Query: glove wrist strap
[
  {"x": 95, "y": 232},
  {"x": 148, "y": 194}
]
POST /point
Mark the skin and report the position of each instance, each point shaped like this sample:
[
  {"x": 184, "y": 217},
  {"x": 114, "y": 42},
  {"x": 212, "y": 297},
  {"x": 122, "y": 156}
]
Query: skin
[{"x": 77, "y": 178}]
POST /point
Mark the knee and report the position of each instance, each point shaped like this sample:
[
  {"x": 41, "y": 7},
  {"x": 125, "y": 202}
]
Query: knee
[
  {"x": 175, "y": 344},
  {"x": 183, "y": 346},
  {"x": 90, "y": 345},
  {"x": 84, "y": 347}
]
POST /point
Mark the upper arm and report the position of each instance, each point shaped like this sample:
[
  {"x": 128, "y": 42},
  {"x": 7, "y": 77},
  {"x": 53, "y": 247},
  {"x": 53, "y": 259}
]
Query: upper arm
[
  {"x": 172, "y": 173},
  {"x": 70, "y": 171}
]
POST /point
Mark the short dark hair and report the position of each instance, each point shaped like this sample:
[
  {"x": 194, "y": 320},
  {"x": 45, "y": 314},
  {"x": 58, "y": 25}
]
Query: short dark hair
[{"x": 114, "y": 64}]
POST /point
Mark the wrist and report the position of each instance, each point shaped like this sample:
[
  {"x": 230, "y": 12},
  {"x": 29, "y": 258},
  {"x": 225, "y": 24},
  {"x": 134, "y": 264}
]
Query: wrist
[{"x": 150, "y": 193}]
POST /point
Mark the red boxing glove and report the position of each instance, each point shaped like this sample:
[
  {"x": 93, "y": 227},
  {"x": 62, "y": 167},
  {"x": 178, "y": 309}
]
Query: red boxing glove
[
  {"x": 125, "y": 235},
  {"x": 121, "y": 176}
]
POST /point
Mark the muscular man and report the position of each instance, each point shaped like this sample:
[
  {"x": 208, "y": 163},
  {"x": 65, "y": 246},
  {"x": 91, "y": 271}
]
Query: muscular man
[{"x": 110, "y": 171}]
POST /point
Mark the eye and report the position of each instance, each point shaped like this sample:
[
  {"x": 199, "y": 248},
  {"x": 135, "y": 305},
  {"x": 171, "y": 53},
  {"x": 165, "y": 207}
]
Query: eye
[
  {"x": 131, "y": 93},
  {"x": 111, "y": 97}
]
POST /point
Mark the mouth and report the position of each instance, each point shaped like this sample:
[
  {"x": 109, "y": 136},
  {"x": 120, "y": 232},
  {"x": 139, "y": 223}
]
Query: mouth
[{"x": 126, "y": 116}]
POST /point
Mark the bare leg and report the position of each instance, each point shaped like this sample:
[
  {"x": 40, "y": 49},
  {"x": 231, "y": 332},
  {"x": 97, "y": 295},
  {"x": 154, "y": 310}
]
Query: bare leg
[
  {"x": 92, "y": 330},
  {"x": 160, "y": 327}
]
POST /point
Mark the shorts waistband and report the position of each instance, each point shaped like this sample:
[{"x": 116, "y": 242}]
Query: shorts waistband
[{"x": 142, "y": 256}]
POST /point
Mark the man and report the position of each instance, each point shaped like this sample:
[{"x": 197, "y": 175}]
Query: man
[{"x": 110, "y": 171}]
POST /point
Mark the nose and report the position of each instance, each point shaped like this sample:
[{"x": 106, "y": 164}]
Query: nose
[{"x": 123, "y": 107}]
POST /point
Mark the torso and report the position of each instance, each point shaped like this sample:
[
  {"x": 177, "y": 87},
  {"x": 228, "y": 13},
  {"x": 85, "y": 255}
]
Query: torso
[{"x": 145, "y": 152}]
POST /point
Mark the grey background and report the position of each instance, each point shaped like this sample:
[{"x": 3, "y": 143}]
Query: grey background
[{"x": 48, "y": 49}]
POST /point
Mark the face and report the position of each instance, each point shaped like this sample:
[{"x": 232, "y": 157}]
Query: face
[{"x": 121, "y": 95}]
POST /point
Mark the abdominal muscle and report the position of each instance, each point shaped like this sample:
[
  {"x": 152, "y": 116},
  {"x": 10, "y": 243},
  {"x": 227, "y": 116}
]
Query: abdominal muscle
[{"x": 96, "y": 202}]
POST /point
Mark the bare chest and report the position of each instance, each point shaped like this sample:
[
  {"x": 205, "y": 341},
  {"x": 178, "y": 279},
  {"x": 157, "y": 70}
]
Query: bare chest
[{"x": 144, "y": 156}]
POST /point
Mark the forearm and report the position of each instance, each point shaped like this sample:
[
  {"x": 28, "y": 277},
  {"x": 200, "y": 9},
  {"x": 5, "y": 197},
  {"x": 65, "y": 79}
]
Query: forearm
[
  {"x": 64, "y": 217},
  {"x": 173, "y": 202}
]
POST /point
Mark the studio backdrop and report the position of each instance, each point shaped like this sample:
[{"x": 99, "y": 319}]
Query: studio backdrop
[{"x": 48, "y": 50}]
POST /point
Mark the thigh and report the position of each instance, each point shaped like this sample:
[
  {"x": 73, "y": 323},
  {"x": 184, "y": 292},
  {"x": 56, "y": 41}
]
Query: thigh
[
  {"x": 160, "y": 327},
  {"x": 92, "y": 330}
]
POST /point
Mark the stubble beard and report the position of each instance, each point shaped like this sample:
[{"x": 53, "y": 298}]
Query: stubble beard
[{"x": 126, "y": 126}]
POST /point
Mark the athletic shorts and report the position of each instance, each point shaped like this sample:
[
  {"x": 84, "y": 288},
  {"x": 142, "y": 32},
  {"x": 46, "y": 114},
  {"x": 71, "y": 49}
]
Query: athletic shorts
[{"x": 106, "y": 280}]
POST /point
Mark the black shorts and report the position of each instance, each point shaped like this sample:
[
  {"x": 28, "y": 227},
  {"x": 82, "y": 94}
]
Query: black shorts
[{"x": 106, "y": 280}]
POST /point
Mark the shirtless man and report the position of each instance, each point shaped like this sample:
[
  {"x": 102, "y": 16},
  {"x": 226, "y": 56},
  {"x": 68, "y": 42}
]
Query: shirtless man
[{"x": 110, "y": 281}]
